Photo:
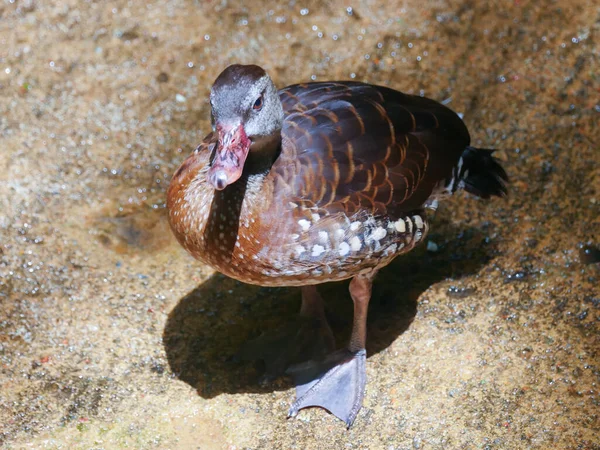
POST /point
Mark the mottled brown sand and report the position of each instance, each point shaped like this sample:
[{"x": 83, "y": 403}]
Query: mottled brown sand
[{"x": 112, "y": 337}]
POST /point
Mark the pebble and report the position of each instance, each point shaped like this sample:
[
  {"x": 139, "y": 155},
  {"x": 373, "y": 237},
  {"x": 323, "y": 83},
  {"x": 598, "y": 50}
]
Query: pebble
[
  {"x": 432, "y": 247},
  {"x": 589, "y": 254}
]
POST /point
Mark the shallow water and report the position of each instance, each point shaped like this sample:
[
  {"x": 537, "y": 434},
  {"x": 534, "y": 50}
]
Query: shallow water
[{"x": 111, "y": 336}]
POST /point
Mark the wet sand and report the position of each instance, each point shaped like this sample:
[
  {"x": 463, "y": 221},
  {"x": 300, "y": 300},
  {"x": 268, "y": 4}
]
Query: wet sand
[{"x": 112, "y": 337}]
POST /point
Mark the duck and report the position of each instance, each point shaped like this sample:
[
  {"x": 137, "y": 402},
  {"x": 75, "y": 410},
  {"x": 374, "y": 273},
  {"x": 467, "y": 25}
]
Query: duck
[{"x": 320, "y": 182}]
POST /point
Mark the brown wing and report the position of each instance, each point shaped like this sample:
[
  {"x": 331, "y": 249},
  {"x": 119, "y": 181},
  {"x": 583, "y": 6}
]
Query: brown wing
[{"x": 352, "y": 146}]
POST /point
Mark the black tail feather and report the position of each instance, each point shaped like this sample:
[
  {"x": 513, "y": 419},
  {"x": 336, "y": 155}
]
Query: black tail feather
[{"x": 481, "y": 174}]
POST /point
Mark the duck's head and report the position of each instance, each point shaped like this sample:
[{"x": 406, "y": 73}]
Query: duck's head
[{"x": 247, "y": 116}]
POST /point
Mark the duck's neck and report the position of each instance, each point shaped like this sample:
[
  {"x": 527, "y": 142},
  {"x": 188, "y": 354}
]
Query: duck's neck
[
  {"x": 263, "y": 153},
  {"x": 227, "y": 210},
  {"x": 223, "y": 223}
]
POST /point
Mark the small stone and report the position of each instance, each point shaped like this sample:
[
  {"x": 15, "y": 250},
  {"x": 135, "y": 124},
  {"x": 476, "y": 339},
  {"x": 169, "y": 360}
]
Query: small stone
[
  {"x": 432, "y": 247},
  {"x": 459, "y": 292},
  {"x": 520, "y": 275},
  {"x": 129, "y": 35},
  {"x": 180, "y": 98},
  {"x": 417, "y": 442},
  {"x": 162, "y": 77},
  {"x": 589, "y": 254}
]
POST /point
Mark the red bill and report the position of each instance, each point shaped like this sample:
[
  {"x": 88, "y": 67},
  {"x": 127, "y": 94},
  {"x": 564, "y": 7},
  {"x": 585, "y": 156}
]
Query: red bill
[{"x": 231, "y": 153}]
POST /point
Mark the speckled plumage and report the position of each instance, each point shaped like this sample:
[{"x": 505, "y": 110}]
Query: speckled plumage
[
  {"x": 316, "y": 183},
  {"x": 346, "y": 194}
]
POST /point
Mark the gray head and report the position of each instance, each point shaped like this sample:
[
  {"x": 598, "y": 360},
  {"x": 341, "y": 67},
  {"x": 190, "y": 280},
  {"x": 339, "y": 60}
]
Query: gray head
[{"x": 247, "y": 114}]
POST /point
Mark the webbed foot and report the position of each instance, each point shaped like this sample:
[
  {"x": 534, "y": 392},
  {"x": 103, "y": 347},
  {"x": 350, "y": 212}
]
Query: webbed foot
[{"x": 336, "y": 384}]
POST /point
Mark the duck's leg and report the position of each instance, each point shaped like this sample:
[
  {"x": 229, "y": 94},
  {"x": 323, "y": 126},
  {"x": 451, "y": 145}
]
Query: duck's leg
[
  {"x": 308, "y": 338},
  {"x": 338, "y": 383},
  {"x": 314, "y": 333}
]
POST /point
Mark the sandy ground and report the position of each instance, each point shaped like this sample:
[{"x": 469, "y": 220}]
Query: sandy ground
[{"x": 112, "y": 337}]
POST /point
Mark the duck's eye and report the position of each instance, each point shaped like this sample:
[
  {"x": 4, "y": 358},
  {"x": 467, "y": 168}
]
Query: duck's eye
[{"x": 258, "y": 103}]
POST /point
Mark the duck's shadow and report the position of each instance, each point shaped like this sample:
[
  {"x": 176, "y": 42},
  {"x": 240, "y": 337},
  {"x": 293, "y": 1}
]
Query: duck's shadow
[{"x": 208, "y": 326}]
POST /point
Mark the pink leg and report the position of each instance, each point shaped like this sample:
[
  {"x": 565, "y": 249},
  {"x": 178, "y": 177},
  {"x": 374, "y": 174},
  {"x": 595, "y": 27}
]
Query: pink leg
[
  {"x": 338, "y": 383},
  {"x": 360, "y": 290}
]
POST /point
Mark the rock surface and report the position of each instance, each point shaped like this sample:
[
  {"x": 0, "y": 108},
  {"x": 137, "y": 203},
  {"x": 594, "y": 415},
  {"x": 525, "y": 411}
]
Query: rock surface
[{"x": 112, "y": 337}]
